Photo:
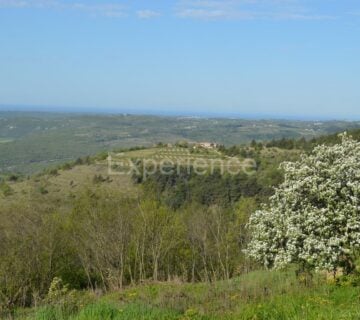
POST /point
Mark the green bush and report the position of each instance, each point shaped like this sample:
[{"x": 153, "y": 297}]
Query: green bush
[
  {"x": 61, "y": 300},
  {"x": 352, "y": 280},
  {"x": 6, "y": 189},
  {"x": 43, "y": 190}
]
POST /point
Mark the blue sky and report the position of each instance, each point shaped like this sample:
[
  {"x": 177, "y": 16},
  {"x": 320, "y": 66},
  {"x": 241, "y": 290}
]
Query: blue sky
[{"x": 294, "y": 58}]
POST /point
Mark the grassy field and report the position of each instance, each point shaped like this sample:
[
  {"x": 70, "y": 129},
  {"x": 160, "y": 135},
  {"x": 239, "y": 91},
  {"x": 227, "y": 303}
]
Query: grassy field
[
  {"x": 162, "y": 156},
  {"x": 259, "y": 295},
  {"x": 2, "y": 140},
  {"x": 58, "y": 186}
]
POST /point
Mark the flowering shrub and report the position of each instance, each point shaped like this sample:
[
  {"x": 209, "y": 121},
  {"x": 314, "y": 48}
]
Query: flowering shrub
[
  {"x": 68, "y": 301},
  {"x": 314, "y": 216}
]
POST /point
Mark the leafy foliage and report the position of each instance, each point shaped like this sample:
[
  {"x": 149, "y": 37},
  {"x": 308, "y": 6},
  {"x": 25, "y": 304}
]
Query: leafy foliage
[{"x": 313, "y": 217}]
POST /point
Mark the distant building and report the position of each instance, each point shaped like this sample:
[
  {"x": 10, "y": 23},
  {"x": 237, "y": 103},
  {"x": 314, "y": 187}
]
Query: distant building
[{"x": 206, "y": 145}]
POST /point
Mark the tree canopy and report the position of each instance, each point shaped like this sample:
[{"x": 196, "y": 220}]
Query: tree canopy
[{"x": 314, "y": 216}]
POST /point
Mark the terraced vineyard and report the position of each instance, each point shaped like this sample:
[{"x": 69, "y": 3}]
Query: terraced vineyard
[{"x": 165, "y": 158}]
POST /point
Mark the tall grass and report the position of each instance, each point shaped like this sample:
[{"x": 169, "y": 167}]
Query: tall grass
[
  {"x": 259, "y": 295},
  {"x": 108, "y": 311}
]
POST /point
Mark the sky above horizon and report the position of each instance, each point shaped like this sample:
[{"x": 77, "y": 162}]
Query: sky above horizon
[{"x": 274, "y": 57}]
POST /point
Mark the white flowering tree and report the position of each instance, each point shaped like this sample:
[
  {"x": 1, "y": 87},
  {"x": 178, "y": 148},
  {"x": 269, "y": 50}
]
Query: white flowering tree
[{"x": 314, "y": 216}]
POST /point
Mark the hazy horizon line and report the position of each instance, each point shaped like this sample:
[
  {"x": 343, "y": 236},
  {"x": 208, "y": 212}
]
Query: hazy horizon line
[{"x": 171, "y": 113}]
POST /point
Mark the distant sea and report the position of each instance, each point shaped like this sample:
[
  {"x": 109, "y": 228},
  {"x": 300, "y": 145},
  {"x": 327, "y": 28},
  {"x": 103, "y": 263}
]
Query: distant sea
[{"x": 177, "y": 113}]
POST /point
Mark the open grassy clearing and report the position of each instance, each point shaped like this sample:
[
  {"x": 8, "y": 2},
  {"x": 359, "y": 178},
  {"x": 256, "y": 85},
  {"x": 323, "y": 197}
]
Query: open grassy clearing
[
  {"x": 207, "y": 158},
  {"x": 64, "y": 183},
  {"x": 169, "y": 151}
]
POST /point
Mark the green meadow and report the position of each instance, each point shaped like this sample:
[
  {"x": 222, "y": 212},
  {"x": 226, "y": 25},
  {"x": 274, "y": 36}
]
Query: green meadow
[{"x": 262, "y": 295}]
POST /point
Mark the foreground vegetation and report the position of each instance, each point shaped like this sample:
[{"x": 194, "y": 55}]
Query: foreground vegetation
[{"x": 258, "y": 295}]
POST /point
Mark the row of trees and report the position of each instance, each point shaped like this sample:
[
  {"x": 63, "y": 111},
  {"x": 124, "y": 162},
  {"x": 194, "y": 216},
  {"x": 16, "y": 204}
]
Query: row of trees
[
  {"x": 304, "y": 144},
  {"x": 104, "y": 240},
  {"x": 178, "y": 189}
]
